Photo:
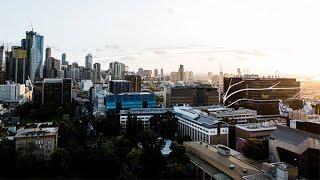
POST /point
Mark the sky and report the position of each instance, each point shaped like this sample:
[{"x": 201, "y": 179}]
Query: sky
[{"x": 259, "y": 37}]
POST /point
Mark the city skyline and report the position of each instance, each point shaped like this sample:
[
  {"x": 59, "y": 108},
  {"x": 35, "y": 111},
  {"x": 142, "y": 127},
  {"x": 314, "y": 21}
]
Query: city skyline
[{"x": 260, "y": 36}]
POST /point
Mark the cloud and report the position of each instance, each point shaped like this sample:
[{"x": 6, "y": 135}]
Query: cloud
[
  {"x": 112, "y": 46},
  {"x": 160, "y": 52}
]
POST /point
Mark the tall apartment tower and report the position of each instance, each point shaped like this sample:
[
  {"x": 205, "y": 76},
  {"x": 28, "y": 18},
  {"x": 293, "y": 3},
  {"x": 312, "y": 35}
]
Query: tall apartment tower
[
  {"x": 88, "y": 63},
  {"x": 33, "y": 43}
]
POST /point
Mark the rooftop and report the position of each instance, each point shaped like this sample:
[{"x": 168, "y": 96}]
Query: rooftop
[
  {"x": 146, "y": 110},
  {"x": 34, "y": 132},
  {"x": 253, "y": 127}
]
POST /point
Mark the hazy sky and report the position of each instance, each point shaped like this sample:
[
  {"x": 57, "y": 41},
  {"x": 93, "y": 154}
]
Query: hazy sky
[{"x": 260, "y": 35}]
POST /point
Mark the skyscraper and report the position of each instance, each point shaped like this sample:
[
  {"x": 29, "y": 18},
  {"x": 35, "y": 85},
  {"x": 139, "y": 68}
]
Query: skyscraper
[
  {"x": 34, "y": 46},
  {"x": 97, "y": 67},
  {"x": 181, "y": 73},
  {"x": 88, "y": 64},
  {"x": 2, "y": 59},
  {"x": 64, "y": 59},
  {"x": 19, "y": 56},
  {"x": 161, "y": 72},
  {"x": 117, "y": 70},
  {"x": 47, "y": 63}
]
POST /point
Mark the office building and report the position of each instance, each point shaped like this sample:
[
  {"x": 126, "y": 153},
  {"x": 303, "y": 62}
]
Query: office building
[
  {"x": 52, "y": 91},
  {"x": 239, "y": 116},
  {"x": 97, "y": 68},
  {"x": 18, "y": 60},
  {"x": 13, "y": 93},
  {"x": 161, "y": 72},
  {"x": 44, "y": 138},
  {"x": 88, "y": 63},
  {"x": 2, "y": 59},
  {"x": 105, "y": 101},
  {"x": 191, "y": 95},
  {"x": 117, "y": 70},
  {"x": 135, "y": 81},
  {"x": 261, "y": 94},
  {"x": 119, "y": 86},
  {"x": 142, "y": 114},
  {"x": 297, "y": 147},
  {"x": 64, "y": 59},
  {"x": 33, "y": 43}
]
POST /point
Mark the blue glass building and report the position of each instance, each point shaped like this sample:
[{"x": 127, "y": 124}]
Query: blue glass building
[
  {"x": 34, "y": 46},
  {"x": 130, "y": 100}
]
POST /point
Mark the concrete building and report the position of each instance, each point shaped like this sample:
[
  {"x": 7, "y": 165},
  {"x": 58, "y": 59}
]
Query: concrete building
[
  {"x": 85, "y": 85},
  {"x": 298, "y": 148},
  {"x": 44, "y": 138},
  {"x": 181, "y": 76},
  {"x": 135, "y": 81},
  {"x": 142, "y": 114},
  {"x": 218, "y": 162},
  {"x": 200, "y": 127},
  {"x": 119, "y": 86},
  {"x": 255, "y": 130},
  {"x": 191, "y": 95},
  {"x": 18, "y": 59},
  {"x": 52, "y": 91},
  {"x": 2, "y": 59},
  {"x": 221, "y": 112}
]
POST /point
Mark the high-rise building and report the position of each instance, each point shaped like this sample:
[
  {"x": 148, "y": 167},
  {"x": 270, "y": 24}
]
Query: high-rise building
[
  {"x": 47, "y": 63},
  {"x": 119, "y": 86},
  {"x": 155, "y": 73},
  {"x": 2, "y": 59},
  {"x": 34, "y": 46},
  {"x": 52, "y": 91},
  {"x": 161, "y": 72},
  {"x": 140, "y": 71},
  {"x": 64, "y": 59},
  {"x": 19, "y": 57},
  {"x": 97, "y": 68},
  {"x": 191, "y": 95},
  {"x": 88, "y": 63},
  {"x": 135, "y": 82},
  {"x": 261, "y": 94},
  {"x": 181, "y": 73},
  {"x": 117, "y": 70}
]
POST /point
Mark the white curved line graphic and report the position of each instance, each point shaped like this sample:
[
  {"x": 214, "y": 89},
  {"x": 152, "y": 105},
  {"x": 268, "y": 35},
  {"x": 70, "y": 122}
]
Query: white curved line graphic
[
  {"x": 254, "y": 100},
  {"x": 230, "y": 86}
]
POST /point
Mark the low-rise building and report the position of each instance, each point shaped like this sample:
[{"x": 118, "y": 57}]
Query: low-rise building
[
  {"x": 142, "y": 114},
  {"x": 221, "y": 112},
  {"x": 297, "y": 147},
  {"x": 255, "y": 130},
  {"x": 201, "y": 127},
  {"x": 44, "y": 138}
]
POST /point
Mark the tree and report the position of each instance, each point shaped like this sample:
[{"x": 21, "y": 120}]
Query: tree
[
  {"x": 7, "y": 157},
  {"x": 256, "y": 149}
]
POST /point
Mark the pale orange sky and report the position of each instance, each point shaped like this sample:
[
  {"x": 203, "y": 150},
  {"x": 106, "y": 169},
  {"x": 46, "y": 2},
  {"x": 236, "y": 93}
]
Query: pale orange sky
[{"x": 263, "y": 36}]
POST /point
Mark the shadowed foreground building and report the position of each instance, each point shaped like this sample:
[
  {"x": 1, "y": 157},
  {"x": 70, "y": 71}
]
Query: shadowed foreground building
[
  {"x": 191, "y": 95},
  {"x": 45, "y": 140},
  {"x": 52, "y": 91}
]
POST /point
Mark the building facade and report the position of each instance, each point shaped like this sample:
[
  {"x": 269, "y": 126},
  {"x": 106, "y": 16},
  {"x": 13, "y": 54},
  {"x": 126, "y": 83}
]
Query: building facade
[
  {"x": 119, "y": 86},
  {"x": 88, "y": 61},
  {"x": 191, "y": 95},
  {"x": 34, "y": 46},
  {"x": 200, "y": 127},
  {"x": 261, "y": 94},
  {"x": 52, "y": 91},
  {"x": 135, "y": 81}
]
